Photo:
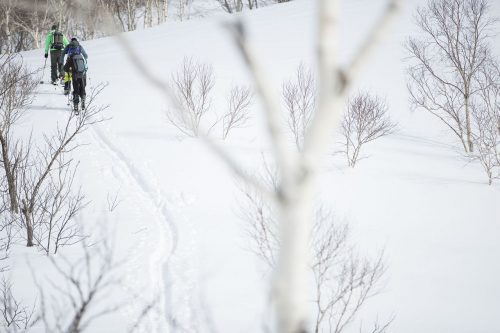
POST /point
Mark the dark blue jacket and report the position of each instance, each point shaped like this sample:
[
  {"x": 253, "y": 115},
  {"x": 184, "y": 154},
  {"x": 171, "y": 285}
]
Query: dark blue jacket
[{"x": 73, "y": 44}]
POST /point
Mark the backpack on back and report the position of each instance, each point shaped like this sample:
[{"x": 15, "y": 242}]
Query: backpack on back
[
  {"x": 79, "y": 67},
  {"x": 58, "y": 40}
]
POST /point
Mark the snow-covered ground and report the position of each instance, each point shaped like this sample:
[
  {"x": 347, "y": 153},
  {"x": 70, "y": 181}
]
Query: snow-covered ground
[{"x": 176, "y": 225}]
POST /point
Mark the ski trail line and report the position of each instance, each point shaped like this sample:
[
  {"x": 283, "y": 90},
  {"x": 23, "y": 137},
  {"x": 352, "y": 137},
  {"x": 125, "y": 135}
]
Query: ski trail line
[{"x": 157, "y": 199}]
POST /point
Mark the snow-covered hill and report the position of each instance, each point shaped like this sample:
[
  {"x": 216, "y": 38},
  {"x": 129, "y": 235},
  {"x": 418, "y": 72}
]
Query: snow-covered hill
[{"x": 176, "y": 225}]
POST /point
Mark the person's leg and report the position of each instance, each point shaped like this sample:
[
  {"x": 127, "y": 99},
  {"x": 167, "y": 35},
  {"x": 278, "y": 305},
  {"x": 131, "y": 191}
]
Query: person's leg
[
  {"x": 67, "y": 82},
  {"x": 75, "y": 91},
  {"x": 60, "y": 68},
  {"x": 53, "y": 65},
  {"x": 83, "y": 92}
]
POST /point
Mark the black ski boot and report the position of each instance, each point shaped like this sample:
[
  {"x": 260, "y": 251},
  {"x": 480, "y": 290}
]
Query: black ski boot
[{"x": 75, "y": 108}]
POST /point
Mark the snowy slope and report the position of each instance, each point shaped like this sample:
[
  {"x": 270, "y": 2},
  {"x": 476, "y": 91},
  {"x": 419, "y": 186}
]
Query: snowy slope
[{"x": 176, "y": 224}]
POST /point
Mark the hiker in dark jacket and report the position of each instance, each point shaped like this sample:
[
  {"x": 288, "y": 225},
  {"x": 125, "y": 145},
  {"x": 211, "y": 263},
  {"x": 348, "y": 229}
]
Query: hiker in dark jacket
[
  {"x": 76, "y": 63},
  {"x": 55, "y": 41}
]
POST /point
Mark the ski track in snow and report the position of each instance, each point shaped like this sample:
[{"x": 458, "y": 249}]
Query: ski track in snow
[{"x": 160, "y": 262}]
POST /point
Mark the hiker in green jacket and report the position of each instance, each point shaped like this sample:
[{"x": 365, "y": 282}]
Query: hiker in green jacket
[{"x": 56, "y": 41}]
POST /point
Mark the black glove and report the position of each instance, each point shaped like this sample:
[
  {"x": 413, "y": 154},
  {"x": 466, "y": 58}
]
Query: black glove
[{"x": 46, "y": 55}]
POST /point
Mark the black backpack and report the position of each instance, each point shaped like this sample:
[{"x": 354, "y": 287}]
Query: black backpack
[
  {"x": 58, "y": 40},
  {"x": 78, "y": 65}
]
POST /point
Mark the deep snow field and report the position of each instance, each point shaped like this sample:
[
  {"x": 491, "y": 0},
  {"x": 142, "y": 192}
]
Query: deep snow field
[{"x": 177, "y": 228}]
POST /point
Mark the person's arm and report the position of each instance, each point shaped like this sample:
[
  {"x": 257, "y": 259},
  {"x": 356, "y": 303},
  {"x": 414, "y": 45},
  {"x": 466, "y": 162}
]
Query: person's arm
[
  {"x": 65, "y": 41},
  {"x": 48, "y": 42}
]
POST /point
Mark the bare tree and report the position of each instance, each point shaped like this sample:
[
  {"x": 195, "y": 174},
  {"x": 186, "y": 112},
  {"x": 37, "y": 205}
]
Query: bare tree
[
  {"x": 148, "y": 13},
  {"x": 54, "y": 223},
  {"x": 300, "y": 95},
  {"x": 365, "y": 120},
  {"x": 343, "y": 281},
  {"x": 183, "y": 9},
  {"x": 31, "y": 23},
  {"x": 193, "y": 85},
  {"x": 455, "y": 44},
  {"x": 89, "y": 279},
  {"x": 38, "y": 168},
  {"x": 161, "y": 8},
  {"x": 15, "y": 317},
  {"x": 239, "y": 101},
  {"x": 6, "y": 9},
  {"x": 17, "y": 84}
]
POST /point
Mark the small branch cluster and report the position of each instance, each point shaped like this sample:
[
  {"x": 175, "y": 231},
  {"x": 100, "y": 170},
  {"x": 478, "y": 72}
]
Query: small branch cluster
[
  {"x": 54, "y": 218},
  {"x": 90, "y": 280},
  {"x": 193, "y": 84},
  {"x": 299, "y": 95},
  {"x": 365, "y": 120},
  {"x": 486, "y": 117},
  {"x": 239, "y": 101},
  {"x": 15, "y": 317}
]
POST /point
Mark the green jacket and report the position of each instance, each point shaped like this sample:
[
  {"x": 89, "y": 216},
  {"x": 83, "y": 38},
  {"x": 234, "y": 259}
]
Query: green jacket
[{"x": 50, "y": 39}]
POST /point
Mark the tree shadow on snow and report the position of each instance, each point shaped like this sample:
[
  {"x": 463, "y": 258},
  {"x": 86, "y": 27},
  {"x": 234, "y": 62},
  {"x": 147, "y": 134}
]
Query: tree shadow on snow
[
  {"x": 54, "y": 92},
  {"x": 47, "y": 107}
]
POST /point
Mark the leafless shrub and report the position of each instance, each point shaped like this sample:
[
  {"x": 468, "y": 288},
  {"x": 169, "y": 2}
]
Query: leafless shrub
[
  {"x": 193, "y": 85},
  {"x": 456, "y": 44},
  {"x": 113, "y": 201},
  {"x": 299, "y": 95},
  {"x": 260, "y": 221},
  {"x": 89, "y": 281},
  {"x": 239, "y": 101},
  {"x": 231, "y": 6},
  {"x": 17, "y": 84},
  {"x": 365, "y": 120},
  {"x": 343, "y": 280},
  {"x": 40, "y": 169},
  {"x": 54, "y": 221},
  {"x": 15, "y": 317}
]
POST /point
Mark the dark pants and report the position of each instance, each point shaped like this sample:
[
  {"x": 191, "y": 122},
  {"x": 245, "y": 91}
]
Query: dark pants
[
  {"x": 79, "y": 88},
  {"x": 56, "y": 65}
]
